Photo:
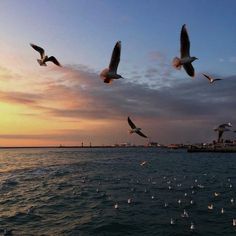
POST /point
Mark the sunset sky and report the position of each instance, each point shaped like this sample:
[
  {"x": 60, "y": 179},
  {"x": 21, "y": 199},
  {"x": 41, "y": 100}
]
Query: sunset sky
[{"x": 68, "y": 105}]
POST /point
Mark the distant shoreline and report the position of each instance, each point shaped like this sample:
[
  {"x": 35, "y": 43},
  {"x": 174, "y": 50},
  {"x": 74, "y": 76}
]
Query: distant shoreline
[{"x": 19, "y": 147}]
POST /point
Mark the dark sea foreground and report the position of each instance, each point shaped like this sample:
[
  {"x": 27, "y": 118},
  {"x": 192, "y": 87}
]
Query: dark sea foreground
[{"x": 74, "y": 192}]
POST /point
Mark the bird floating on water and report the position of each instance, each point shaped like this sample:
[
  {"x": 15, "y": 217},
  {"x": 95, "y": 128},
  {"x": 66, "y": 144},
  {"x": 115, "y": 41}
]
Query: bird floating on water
[
  {"x": 116, "y": 206},
  {"x": 110, "y": 73},
  {"x": 172, "y": 221},
  {"x": 211, "y": 79},
  {"x": 185, "y": 59},
  {"x": 200, "y": 186},
  {"x": 210, "y": 207},
  {"x": 234, "y": 222},
  {"x": 192, "y": 226},
  {"x": 185, "y": 214},
  {"x": 135, "y": 129},
  {"x": 143, "y": 163},
  {"x": 44, "y": 58}
]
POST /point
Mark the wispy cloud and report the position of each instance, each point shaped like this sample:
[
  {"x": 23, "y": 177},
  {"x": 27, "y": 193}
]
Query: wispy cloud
[
  {"x": 186, "y": 106},
  {"x": 20, "y": 97}
]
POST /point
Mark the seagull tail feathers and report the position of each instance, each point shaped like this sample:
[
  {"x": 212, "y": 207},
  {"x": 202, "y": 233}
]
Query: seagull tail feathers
[
  {"x": 103, "y": 76},
  {"x": 104, "y": 73},
  {"x": 176, "y": 63}
]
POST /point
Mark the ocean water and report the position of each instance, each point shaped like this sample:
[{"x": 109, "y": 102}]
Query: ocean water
[{"x": 74, "y": 192}]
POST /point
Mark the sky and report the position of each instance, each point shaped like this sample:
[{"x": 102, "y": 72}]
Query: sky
[{"x": 70, "y": 105}]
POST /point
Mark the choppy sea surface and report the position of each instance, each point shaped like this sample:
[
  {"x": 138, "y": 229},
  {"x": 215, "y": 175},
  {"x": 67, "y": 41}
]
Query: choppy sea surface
[{"x": 86, "y": 191}]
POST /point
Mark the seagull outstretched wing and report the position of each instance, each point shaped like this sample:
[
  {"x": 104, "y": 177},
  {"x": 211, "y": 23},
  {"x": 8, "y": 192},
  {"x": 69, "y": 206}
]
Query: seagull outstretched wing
[
  {"x": 132, "y": 125},
  {"x": 141, "y": 134},
  {"x": 189, "y": 69},
  {"x": 38, "y": 49},
  {"x": 184, "y": 43},
  {"x": 216, "y": 80},
  {"x": 208, "y": 77},
  {"x": 115, "y": 57},
  {"x": 211, "y": 80},
  {"x": 54, "y": 60},
  {"x": 225, "y": 125}
]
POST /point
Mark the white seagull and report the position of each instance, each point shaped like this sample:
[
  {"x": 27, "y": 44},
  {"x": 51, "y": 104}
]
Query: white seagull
[
  {"x": 143, "y": 163},
  {"x": 185, "y": 214},
  {"x": 211, "y": 80},
  {"x": 110, "y": 73},
  {"x": 172, "y": 221},
  {"x": 135, "y": 129},
  {"x": 185, "y": 59},
  {"x": 192, "y": 226},
  {"x": 234, "y": 222},
  {"x": 44, "y": 58}
]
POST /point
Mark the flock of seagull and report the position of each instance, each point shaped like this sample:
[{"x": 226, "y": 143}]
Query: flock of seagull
[
  {"x": 181, "y": 208},
  {"x": 187, "y": 200},
  {"x": 109, "y": 74}
]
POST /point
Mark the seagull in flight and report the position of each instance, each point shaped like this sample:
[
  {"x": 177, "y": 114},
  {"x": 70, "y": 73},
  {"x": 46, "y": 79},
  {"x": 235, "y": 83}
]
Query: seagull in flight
[
  {"x": 185, "y": 59},
  {"x": 44, "y": 58},
  {"x": 135, "y": 129},
  {"x": 211, "y": 80},
  {"x": 221, "y": 129},
  {"x": 110, "y": 73}
]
